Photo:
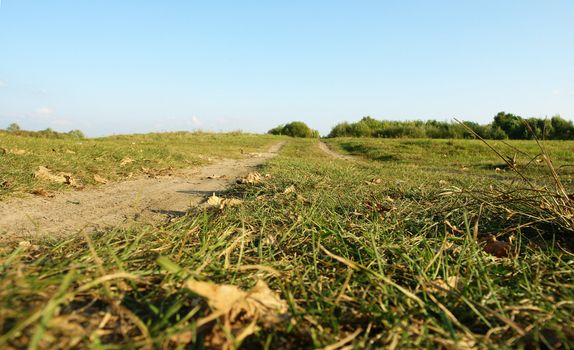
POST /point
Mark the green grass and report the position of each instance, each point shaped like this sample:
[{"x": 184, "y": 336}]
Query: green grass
[
  {"x": 151, "y": 153},
  {"x": 351, "y": 255}
]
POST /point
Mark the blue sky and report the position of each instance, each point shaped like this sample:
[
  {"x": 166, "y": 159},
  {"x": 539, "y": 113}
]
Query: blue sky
[{"x": 136, "y": 66}]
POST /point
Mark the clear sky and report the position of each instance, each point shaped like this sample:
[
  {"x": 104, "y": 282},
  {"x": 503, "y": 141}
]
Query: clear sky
[{"x": 111, "y": 66}]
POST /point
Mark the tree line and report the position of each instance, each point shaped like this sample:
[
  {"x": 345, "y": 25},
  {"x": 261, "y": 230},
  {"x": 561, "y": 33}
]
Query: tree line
[
  {"x": 503, "y": 126},
  {"x": 15, "y": 129}
]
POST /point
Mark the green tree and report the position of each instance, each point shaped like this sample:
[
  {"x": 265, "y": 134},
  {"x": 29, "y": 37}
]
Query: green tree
[
  {"x": 562, "y": 129},
  {"x": 13, "y": 127},
  {"x": 295, "y": 129}
]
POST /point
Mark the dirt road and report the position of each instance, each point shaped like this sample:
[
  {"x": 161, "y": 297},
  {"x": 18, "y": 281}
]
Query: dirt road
[
  {"x": 323, "y": 146},
  {"x": 120, "y": 203}
]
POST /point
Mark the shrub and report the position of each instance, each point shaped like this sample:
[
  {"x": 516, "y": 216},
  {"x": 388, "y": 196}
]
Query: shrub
[{"x": 295, "y": 129}]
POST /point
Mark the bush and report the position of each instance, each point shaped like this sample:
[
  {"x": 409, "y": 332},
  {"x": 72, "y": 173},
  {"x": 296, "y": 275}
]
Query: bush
[{"x": 295, "y": 129}]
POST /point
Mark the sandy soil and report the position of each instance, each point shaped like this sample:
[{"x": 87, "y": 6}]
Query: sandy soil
[
  {"x": 323, "y": 146},
  {"x": 113, "y": 205}
]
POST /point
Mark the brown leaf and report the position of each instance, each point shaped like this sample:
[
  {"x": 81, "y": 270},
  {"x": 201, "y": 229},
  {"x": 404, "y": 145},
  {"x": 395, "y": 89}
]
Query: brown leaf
[
  {"x": 70, "y": 180},
  {"x": 5, "y": 184},
  {"x": 290, "y": 189},
  {"x": 441, "y": 286},
  {"x": 100, "y": 179},
  {"x": 240, "y": 311},
  {"x": 499, "y": 249},
  {"x": 126, "y": 160},
  {"x": 41, "y": 192},
  {"x": 44, "y": 173},
  {"x": 374, "y": 182},
  {"x": 259, "y": 303},
  {"x": 218, "y": 202},
  {"x": 250, "y": 179},
  {"x": 18, "y": 152}
]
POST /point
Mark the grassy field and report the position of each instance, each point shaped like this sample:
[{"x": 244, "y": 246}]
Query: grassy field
[
  {"x": 417, "y": 244},
  {"x": 93, "y": 161}
]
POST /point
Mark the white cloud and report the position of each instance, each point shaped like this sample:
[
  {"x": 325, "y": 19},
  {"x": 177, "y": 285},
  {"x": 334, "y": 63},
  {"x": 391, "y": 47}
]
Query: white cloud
[
  {"x": 44, "y": 111},
  {"x": 2, "y": 83},
  {"x": 196, "y": 122}
]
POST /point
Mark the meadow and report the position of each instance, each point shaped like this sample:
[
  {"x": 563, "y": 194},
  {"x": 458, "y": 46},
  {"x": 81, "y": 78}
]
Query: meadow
[
  {"x": 413, "y": 244},
  {"x": 92, "y": 162}
]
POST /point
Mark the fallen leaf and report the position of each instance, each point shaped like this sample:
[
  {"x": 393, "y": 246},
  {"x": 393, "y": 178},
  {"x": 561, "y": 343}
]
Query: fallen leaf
[
  {"x": 41, "y": 192},
  {"x": 18, "y": 152},
  {"x": 100, "y": 179},
  {"x": 239, "y": 311},
  {"x": 374, "y": 182},
  {"x": 126, "y": 160},
  {"x": 260, "y": 303},
  {"x": 441, "y": 286},
  {"x": 250, "y": 179},
  {"x": 218, "y": 202},
  {"x": 44, "y": 173},
  {"x": 70, "y": 151},
  {"x": 499, "y": 249},
  {"x": 290, "y": 189},
  {"x": 3, "y": 150},
  {"x": 70, "y": 180},
  {"x": 26, "y": 245}
]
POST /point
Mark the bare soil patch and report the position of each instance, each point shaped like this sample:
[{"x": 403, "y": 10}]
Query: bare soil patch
[{"x": 138, "y": 200}]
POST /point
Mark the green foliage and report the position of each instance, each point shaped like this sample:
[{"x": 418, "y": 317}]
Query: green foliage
[
  {"x": 49, "y": 133},
  {"x": 295, "y": 129},
  {"x": 13, "y": 127},
  {"x": 504, "y": 126}
]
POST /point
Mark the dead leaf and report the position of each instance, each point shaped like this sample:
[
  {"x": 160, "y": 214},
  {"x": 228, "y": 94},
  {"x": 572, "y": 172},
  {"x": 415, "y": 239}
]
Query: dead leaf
[
  {"x": 3, "y": 150},
  {"x": 218, "y": 202},
  {"x": 70, "y": 180},
  {"x": 126, "y": 160},
  {"x": 240, "y": 311},
  {"x": 41, "y": 192},
  {"x": 68, "y": 151},
  {"x": 440, "y": 286},
  {"x": 290, "y": 189},
  {"x": 373, "y": 182},
  {"x": 260, "y": 303},
  {"x": 499, "y": 249},
  {"x": 44, "y": 173},
  {"x": 100, "y": 179},
  {"x": 26, "y": 245},
  {"x": 18, "y": 152},
  {"x": 250, "y": 179}
]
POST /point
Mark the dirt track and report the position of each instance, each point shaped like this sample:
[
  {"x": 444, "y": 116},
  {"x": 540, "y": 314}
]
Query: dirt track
[
  {"x": 323, "y": 146},
  {"x": 140, "y": 200}
]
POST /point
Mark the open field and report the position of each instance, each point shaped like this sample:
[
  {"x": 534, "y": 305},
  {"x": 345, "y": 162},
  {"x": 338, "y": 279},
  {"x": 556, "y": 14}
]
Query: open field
[
  {"x": 411, "y": 244},
  {"x": 113, "y": 158}
]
